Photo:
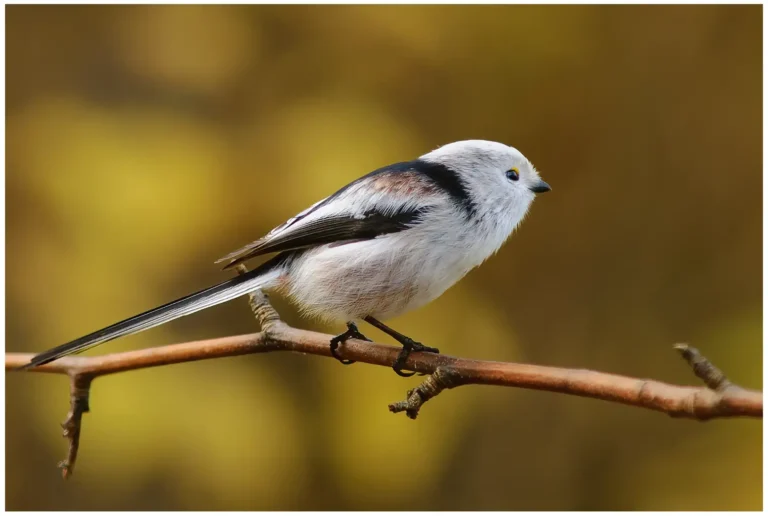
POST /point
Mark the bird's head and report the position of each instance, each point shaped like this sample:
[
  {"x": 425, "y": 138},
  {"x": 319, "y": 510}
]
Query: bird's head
[{"x": 498, "y": 178}]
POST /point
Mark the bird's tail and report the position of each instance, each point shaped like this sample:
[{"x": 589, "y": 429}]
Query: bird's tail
[{"x": 260, "y": 277}]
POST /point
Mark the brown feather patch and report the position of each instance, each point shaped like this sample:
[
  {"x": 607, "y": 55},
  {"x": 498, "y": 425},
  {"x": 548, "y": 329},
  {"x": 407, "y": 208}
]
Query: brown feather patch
[{"x": 408, "y": 183}]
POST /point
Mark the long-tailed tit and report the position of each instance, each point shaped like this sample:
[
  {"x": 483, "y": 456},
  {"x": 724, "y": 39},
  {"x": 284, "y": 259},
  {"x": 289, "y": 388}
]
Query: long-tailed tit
[{"x": 381, "y": 246}]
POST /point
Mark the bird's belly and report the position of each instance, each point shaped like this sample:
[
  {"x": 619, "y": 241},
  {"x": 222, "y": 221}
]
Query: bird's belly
[{"x": 370, "y": 278}]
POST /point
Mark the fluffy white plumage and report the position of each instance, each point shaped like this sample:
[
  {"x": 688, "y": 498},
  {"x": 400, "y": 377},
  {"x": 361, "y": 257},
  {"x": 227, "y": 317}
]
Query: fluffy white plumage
[
  {"x": 399, "y": 272},
  {"x": 383, "y": 245}
]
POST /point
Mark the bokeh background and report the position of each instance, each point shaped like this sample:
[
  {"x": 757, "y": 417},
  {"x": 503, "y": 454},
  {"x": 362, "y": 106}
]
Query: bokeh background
[{"x": 145, "y": 142}]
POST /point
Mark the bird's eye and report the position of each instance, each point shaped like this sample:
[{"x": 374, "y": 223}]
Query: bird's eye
[{"x": 513, "y": 174}]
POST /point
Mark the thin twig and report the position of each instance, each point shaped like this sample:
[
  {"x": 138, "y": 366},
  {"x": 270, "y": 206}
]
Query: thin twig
[
  {"x": 718, "y": 399},
  {"x": 712, "y": 377},
  {"x": 79, "y": 390},
  {"x": 442, "y": 378}
]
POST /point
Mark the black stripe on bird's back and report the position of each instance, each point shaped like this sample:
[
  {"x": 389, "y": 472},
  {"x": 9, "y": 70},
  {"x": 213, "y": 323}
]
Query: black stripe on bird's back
[
  {"x": 441, "y": 176},
  {"x": 449, "y": 181}
]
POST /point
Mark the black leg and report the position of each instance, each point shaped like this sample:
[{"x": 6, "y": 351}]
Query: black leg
[
  {"x": 351, "y": 333},
  {"x": 409, "y": 345}
]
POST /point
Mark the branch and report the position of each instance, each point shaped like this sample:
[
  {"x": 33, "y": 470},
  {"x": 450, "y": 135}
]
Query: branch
[{"x": 718, "y": 398}]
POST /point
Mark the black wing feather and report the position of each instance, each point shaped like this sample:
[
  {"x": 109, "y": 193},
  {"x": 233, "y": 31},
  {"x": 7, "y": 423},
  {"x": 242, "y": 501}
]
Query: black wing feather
[
  {"x": 340, "y": 229},
  {"x": 335, "y": 229}
]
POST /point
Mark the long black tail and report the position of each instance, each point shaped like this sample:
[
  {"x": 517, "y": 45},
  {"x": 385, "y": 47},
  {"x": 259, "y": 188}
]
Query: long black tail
[{"x": 221, "y": 293}]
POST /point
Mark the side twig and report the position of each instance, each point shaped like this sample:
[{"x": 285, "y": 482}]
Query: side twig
[
  {"x": 718, "y": 399},
  {"x": 442, "y": 378},
  {"x": 79, "y": 390},
  {"x": 712, "y": 377}
]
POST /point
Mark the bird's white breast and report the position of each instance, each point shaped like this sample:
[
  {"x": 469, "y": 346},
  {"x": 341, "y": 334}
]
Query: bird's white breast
[{"x": 395, "y": 273}]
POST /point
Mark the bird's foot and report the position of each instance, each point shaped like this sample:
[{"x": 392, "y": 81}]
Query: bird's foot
[
  {"x": 351, "y": 333},
  {"x": 409, "y": 346}
]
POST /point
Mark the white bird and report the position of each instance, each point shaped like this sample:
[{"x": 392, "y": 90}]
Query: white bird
[{"x": 385, "y": 244}]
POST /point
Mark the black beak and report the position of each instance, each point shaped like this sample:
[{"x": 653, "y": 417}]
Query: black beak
[{"x": 540, "y": 187}]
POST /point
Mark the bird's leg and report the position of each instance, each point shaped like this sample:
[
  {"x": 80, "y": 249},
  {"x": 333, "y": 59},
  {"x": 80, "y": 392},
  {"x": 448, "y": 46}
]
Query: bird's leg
[
  {"x": 409, "y": 345},
  {"x": 351, "y": 333}
]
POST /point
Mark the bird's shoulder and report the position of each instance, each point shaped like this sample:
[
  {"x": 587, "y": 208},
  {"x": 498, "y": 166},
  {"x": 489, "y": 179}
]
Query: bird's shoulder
[{"x": 386, "y": 200}]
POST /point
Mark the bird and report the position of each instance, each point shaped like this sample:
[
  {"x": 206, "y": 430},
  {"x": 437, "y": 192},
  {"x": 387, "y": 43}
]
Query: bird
[{"x": 383, "y": 245}]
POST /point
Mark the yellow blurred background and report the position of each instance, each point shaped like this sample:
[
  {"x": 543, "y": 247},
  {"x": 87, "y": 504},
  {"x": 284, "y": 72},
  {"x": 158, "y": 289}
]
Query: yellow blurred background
[{"x": 144, "y": 142}]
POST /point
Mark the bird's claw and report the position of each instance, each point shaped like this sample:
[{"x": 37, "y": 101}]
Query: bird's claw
[
  {"x": 351, "y": 333},
  {"x": 410, "y": 346}
]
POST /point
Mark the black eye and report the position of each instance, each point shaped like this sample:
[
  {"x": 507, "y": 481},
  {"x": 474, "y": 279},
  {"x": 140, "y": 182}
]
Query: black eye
[{"x": 512, "y": 174}]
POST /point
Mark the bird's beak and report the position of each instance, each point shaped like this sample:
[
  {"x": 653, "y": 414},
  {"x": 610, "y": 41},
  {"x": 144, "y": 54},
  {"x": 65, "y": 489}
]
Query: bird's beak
[{"x": 540, "y": 187}]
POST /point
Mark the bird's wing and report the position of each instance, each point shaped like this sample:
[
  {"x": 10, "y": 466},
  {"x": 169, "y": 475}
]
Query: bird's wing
[{"x": 385, "y": 201}]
